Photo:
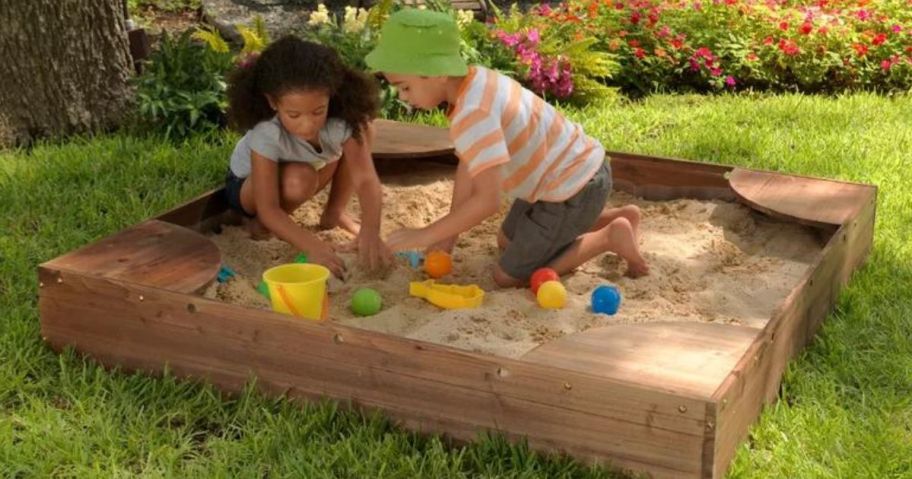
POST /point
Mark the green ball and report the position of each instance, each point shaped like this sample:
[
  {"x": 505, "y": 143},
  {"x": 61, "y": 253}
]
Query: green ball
[{"x": 366, "y": 302}]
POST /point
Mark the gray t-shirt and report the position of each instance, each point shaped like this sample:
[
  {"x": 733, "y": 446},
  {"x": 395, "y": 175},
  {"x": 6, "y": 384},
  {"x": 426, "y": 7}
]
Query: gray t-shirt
[{"x": 271, "y": 140}]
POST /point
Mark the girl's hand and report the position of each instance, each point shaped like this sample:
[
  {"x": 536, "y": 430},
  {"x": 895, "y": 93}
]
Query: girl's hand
[
  {"x": 405, "y": 239},
  {"x": 372, "y": 252},
  {"x": 324, "y": 254}
]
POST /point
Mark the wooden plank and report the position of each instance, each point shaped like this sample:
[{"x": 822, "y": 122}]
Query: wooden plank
[
  {"x": 425, "y": 385},
  {"x": 153, "y": 253},
  {"x": 678, "y": 357},
  {"x": 201, "y": 213},
  {"x": 658, "y": 179},
  {"x": 394, "y": 139},
  {"x": 811, "y": 201},
  {"x": 756, "y": 378}
]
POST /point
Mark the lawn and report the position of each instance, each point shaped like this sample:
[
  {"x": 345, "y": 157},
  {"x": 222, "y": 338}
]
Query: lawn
[{"x": 845, "y": 408}]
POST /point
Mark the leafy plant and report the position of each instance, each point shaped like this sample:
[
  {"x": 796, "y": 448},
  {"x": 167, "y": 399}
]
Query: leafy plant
[{"x": 182, "y": 88}]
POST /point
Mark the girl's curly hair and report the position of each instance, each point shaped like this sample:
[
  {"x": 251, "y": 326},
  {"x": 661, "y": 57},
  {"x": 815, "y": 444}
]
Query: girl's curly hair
[{"x": 291, "y": 64}]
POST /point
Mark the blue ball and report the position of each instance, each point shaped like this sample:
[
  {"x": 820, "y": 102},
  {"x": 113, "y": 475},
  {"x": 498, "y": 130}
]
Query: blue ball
[{"x": 606, "y": 300}]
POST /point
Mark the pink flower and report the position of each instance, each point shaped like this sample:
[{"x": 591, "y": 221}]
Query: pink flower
[
  {"x": 885, "y": 65},
  {"x": 730, "y": 81},
  {"x": 896, "y": 28},
  {"x": 664, "y": 31},
  {"x": 715, "y": 71},
  {"x": 863, "y": 14},
  {"x": 533, "y": 36}
]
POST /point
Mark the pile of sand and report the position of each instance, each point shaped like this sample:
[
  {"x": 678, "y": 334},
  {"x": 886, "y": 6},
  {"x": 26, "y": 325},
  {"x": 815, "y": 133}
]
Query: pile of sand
[{"x": 711, "y": 261}]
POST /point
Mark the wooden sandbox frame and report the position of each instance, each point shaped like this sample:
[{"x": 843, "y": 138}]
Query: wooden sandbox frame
[{"x": 671, "y": 399}]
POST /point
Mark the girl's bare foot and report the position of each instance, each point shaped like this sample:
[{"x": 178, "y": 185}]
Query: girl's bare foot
[
  {"x": 329, "y": 221},
  {"x": 257, "y": 231},
  {"x": 621, "y": 239}
]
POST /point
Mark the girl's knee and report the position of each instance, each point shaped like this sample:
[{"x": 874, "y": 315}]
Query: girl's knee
[{"x": 299, "y": 184}]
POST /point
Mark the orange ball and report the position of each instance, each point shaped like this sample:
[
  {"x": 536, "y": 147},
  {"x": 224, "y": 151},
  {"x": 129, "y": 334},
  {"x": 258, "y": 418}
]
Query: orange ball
[{"x": 438, "y": 264}]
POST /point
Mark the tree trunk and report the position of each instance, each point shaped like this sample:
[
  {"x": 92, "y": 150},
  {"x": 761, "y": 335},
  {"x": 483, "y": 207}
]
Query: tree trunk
[{"x": 64, "y": 66}]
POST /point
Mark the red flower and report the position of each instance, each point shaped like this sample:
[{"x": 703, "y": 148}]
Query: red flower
[
  {"x": 704, "y": 52},
  {"x": 789, "y": 47},
  {"x": 879, "y": 39},
  {"x": 784, "y": 26},
  {"x": 677, "y": 43},
  {"x": 860, "y": 49},
  {"x": 885, "y": 65},
  {"x": 639, "y": 52},
  {"x": 635, "y": 18},
  {"x": 731, "y": 2},
  {"x": 634, "y": 43},
  {"x": 768, "y": 41},
  {"x": 752, "y": 57},
  {"x": 806, "y": 28}
]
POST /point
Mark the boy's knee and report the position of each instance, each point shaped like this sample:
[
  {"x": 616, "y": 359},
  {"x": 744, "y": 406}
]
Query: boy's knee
[{"x": 504, "y": 280}]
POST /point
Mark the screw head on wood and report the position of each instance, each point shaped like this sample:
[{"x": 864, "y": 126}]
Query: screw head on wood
[
  {"x": 59, "y": 280},
  {"x": 568, "y": 386},
  {"x": 337, "y": 338},
  {"x": 141, "y": 298},
  {"x": 682, "y": 409},
  {"x": 40, "y": 284}
]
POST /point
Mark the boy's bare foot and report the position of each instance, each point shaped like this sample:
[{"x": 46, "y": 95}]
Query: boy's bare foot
[
  {"x": 621, "y": 239},
  {"x": 329, "y": 221},
  {"x": 257, "y": 230}
]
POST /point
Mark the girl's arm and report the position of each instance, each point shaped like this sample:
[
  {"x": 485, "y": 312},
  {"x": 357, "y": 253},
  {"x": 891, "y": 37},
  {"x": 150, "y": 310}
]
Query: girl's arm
[
  {"x": 267, "y": 196},
  {"x": 481, "y": 201},
  {"x": 371, "y": 250}
]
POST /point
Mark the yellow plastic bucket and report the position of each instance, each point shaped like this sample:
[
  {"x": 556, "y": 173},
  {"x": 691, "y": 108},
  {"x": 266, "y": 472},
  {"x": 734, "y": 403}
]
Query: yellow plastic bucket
[{"x": 298, "y": 289}]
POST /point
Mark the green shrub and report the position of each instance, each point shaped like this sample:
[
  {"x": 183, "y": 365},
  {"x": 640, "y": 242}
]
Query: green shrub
[{"x": 182, "y": 88}]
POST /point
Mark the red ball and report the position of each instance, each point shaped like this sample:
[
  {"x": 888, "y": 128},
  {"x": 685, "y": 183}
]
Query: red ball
[{"x": 540, "y": 276}]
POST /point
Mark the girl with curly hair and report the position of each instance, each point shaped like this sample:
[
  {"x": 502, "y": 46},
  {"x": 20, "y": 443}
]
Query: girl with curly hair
[{"x": 306, "y": 118}]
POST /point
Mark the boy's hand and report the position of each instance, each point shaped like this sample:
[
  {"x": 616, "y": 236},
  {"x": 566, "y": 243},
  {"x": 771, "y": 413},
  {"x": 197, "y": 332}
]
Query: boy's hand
[
  {"x": 405, "y": 239},
  {"x": 446, "y": 245},
  {"x": 372, "y": 252}
]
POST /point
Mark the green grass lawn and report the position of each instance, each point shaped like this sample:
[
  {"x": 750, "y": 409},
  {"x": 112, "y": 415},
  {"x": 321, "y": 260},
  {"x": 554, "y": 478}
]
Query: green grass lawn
[{"x": 845, "y": 409}]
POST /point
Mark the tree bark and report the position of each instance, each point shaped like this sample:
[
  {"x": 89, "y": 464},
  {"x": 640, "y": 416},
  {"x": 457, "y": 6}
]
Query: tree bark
[{"x": 64, "y": 66}]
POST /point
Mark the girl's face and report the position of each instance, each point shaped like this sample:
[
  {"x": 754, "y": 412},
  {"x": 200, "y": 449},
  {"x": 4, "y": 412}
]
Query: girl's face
[
  {"x": 426, "y": 93},
  {"x": 302, "y": 112}
]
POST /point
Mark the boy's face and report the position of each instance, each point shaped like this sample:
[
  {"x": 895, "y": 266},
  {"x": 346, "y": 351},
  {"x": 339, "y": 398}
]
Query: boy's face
[{"x": 420, "y": 92}]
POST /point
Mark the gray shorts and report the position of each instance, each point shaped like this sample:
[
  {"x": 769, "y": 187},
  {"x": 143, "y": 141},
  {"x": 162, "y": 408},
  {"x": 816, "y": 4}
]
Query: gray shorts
[{"x": 539, "y": 232}]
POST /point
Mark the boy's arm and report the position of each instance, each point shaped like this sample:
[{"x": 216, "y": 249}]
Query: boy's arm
[
  {"x": 462, "y": 191},
  {"x": 482, "y": 199},
  {"x": 372, "y": 252}
]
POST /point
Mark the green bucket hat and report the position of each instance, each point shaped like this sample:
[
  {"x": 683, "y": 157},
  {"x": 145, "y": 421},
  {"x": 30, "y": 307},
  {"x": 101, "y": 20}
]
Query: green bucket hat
[{"x": 418, "y": 42}]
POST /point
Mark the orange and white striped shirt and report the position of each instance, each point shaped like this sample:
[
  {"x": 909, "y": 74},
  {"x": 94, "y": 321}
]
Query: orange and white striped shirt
[{"x": 543, "y": 156}]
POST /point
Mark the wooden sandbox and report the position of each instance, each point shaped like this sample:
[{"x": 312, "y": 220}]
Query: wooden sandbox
[{"x": 672, "y": 399}]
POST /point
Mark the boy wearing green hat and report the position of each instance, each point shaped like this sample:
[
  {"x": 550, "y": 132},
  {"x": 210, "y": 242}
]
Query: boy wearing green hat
[{"x": 508, "y": 140}]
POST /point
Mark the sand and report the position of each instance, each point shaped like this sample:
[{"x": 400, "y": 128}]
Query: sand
[{"x": 711, "y": 261}]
